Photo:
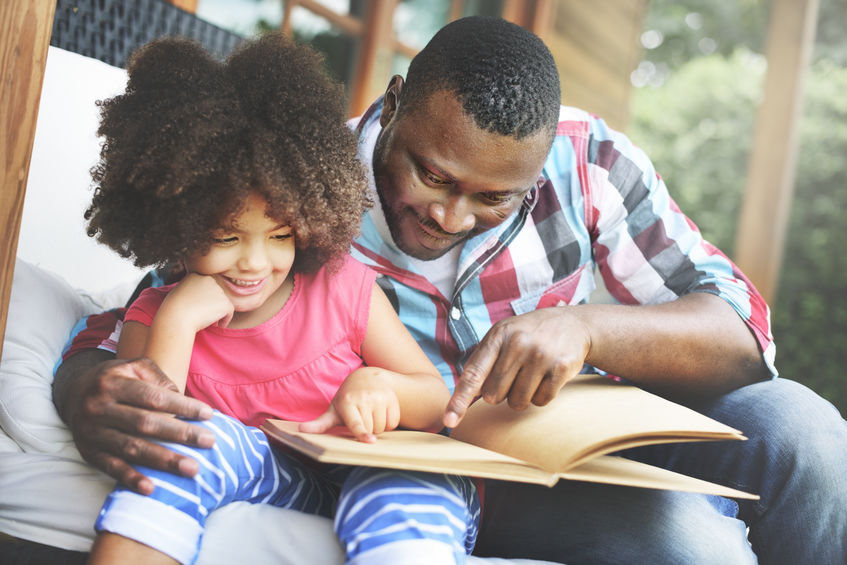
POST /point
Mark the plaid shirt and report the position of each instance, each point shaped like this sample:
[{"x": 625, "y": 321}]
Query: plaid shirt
[{"x": 599, "y": 204}]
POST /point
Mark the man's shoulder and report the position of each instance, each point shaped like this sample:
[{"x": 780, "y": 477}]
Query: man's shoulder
[
  {"x": 574, "y": 114},
  {"x": 359, "y": 123},
  {"x": 576, "y": 122}
]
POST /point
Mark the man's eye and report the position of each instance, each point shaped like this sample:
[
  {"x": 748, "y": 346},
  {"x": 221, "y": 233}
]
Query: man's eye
[
  {"x": 282, "y": 236},
  {"x": 432, "y": 178},
  {"x": 496, "y": 197},
  {"x": 224, "y": 240}
]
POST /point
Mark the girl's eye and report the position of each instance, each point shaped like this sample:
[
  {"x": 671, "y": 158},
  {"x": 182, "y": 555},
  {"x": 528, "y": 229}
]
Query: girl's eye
[
  {"x": 282, "y": 236},
  {"x": 224, "y": 240}
]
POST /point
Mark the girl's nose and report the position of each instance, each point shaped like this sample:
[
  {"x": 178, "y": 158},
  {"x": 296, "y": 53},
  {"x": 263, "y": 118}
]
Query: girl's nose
[{"x": 253, "y": 258}]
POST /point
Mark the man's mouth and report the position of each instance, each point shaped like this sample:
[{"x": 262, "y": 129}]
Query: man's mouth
[{"x": 434, "y": 237}]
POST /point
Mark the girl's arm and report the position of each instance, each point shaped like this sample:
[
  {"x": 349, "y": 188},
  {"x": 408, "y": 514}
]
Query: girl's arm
[
  {"x": 418, "y": 385},
  {"x": 195, "y": 303},
  {"x": 399, "y": 387}
]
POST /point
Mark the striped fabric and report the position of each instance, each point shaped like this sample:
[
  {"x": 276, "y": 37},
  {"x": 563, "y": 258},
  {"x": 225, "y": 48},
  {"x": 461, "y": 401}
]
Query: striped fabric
[
  {"x": 406, "y": 517},
  {"x": 382, "y": 516},
  {"x": 599, "y": 204}
]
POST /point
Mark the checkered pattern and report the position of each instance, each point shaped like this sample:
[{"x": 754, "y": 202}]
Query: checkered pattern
[{"x": 599, "y": 204}]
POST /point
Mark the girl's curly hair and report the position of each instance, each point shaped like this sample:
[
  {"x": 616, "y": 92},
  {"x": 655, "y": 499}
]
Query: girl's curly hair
[{"x": 192, "y": 138}]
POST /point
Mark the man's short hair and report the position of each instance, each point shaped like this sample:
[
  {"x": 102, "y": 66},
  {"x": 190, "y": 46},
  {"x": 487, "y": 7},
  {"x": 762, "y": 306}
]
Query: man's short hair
[{"x": 503, "y": 75}]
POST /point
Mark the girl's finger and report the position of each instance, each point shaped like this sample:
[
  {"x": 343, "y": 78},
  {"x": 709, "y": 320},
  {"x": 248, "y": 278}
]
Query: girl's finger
[{"x": 322, "y": 423}]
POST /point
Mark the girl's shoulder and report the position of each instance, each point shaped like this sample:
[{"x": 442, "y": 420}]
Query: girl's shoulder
[
  {"x": 340, "y": 292},
  {"x": 347, "y": 273},
  {"x": 147, "y": 304}
]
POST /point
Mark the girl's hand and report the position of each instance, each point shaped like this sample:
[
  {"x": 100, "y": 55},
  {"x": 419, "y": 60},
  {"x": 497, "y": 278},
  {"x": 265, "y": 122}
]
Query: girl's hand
[
  {"x": 364, "y": 403},
  {"x": 199, "y": 302}
]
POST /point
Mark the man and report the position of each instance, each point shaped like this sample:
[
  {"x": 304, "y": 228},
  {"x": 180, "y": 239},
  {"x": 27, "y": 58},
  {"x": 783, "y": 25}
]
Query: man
[{"x": 494, "y": 207}]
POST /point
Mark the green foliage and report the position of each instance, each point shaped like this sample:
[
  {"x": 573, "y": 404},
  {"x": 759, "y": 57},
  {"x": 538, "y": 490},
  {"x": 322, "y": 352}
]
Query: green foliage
[
  {"x": 829, "y": 40},
  {"x": 684, "y": 25},
  {"x": 810, "y": 314},
  {"x": 697, "y": 128}
]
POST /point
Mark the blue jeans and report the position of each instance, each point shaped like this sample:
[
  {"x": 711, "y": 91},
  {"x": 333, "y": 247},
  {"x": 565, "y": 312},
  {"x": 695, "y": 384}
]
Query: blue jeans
[{"x": 795, "y": 459}]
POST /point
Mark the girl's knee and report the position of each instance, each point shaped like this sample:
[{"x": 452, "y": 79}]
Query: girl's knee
[{"x": 381, "y": 508}]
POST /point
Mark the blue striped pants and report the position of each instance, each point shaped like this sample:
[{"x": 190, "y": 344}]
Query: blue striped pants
[{"x": 381, "y": 516}]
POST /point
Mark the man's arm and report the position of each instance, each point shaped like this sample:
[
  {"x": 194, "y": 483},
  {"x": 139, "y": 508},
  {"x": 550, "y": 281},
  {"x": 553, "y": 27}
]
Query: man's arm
[
  {"x": 693, "y": 347},
  {"x": 111, "y": 407},
  {"x": 701, "y": 329}
]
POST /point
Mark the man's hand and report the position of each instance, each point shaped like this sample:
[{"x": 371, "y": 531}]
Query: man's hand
[
  {"x": 524, "y": 359},
  {"x": 112, "y": 408},
  {"x": 364, "y": 403}
]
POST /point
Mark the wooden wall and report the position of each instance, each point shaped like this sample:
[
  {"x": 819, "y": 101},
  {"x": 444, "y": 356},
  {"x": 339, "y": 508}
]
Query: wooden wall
[{"x": 596, "y": 47}]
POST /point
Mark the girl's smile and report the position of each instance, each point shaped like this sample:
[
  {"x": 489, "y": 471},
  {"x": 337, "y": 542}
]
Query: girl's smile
[
  {"x": 251, "y": 261},
  {"x": 244, "y": 287}
]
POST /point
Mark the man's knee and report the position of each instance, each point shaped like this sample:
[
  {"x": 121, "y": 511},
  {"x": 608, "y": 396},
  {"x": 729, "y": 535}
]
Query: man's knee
[
  {"x": 590, "y": 523},
  {"x": 791, "y": 422}
]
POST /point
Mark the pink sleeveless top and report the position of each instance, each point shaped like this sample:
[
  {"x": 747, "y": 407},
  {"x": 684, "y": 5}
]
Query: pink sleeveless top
[{"x": 291, "y": 366}]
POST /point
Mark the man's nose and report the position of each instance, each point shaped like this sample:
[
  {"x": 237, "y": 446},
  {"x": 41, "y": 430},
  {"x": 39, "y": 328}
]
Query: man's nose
[{"x": 454, "y": 214}]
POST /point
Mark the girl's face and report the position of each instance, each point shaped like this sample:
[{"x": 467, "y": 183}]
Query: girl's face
[{"x": 251, "y": 261}]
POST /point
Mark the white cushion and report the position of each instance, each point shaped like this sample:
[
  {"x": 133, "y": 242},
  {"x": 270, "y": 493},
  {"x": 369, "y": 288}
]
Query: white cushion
[
  {"x": 58, "y": 192},
  {"x": 42, "y": 311}
]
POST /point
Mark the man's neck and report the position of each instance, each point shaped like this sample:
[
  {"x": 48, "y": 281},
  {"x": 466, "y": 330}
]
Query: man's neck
[{"x": 441, "y": 272}]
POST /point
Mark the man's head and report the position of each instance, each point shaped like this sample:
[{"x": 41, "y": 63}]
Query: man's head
[
  {"x": 466, "y": 135},
  {"x": 504, "y": 76}
]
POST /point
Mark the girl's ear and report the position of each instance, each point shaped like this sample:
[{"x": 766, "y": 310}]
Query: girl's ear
[
  {"x": 391, "y": 101},
  {"x": 176, "y": 271}
]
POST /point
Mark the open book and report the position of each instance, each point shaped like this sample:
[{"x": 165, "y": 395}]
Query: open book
[{"x": 570, "y": 438}]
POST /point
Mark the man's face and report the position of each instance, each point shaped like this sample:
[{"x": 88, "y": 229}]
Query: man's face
[{"x": 441, "y": 179}]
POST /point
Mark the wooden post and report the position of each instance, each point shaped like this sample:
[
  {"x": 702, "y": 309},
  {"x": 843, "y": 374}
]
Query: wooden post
[
  {"x": 771, "y": 171},
  {"x": 534, "y": 15},
  {"x": 189, "y": 6},
  {"x": 26, "y": 26},
  {"x": 375, "y": 53}
]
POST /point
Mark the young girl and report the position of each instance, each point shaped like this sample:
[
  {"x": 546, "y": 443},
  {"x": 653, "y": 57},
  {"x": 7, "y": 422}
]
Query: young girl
[{"x": 244, "y": 172}]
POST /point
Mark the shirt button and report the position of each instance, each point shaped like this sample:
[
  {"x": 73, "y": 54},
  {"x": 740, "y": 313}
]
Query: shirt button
[{"x": 455, "y": 313}]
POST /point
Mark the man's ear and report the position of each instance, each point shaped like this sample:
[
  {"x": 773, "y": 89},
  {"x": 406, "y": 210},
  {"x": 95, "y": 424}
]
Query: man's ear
[{"x": 391, "y": 101}]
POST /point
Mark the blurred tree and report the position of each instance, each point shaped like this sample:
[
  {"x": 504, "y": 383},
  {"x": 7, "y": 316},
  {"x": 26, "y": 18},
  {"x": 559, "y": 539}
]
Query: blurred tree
[
  {"x": 697, "y": 128},
  {"x": 702, "y": 27},
  {"x": 830, "y": 43},
  {"x": 810, "y": 314},
  {"x": 700, "y": 82}
]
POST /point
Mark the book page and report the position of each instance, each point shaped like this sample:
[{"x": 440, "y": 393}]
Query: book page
[
  {"x": 428, "y": 452},
  {"x": 406, "y": 449},
  {"x": 591, "y": 416},
  {"x": 612, "y": 470}
]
